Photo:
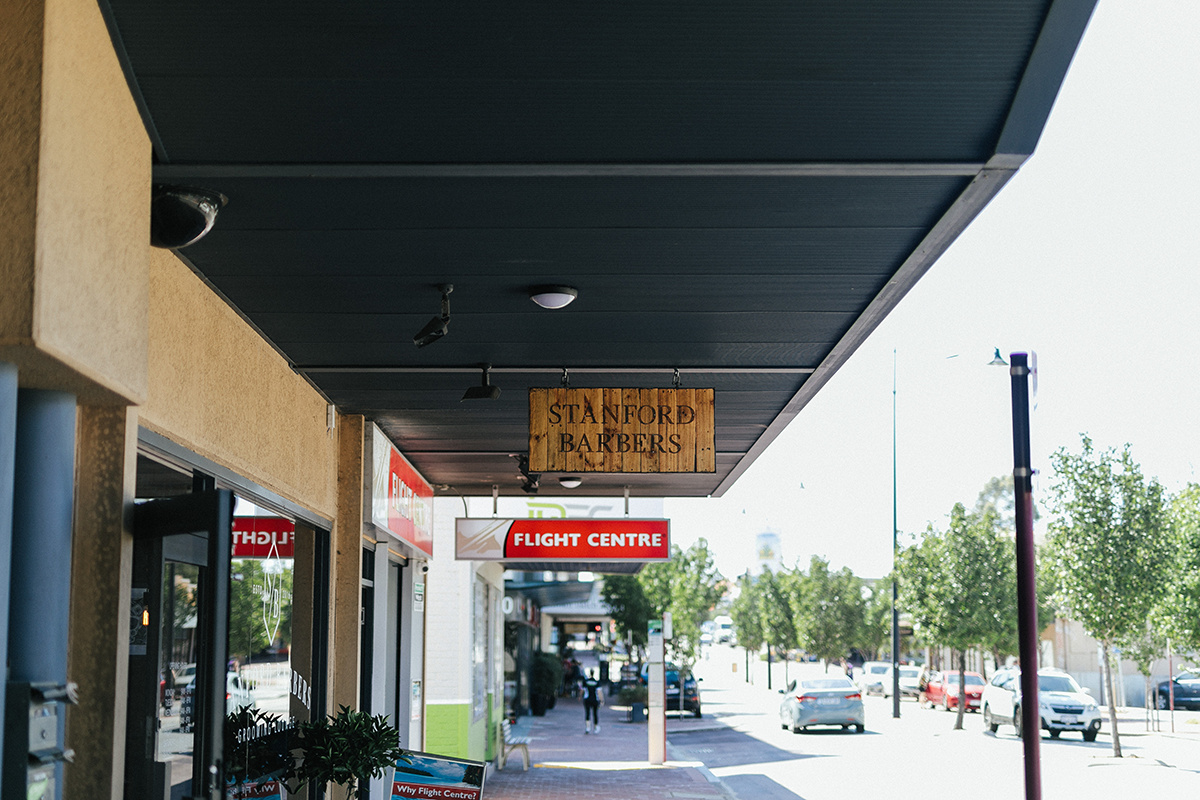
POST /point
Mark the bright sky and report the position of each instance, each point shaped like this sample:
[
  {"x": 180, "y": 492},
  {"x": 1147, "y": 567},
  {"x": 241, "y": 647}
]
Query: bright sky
[{"x": 1088, "y": 256}]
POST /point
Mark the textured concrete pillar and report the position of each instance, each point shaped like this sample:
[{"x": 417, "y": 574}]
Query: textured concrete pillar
[
  {"x": 102, "y": 555},
  {"x": 346, "y": 566},
  {"x": 75, "y": 171}
]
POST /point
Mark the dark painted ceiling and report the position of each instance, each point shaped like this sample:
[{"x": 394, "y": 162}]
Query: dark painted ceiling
[{"x": 740, "y": 191}]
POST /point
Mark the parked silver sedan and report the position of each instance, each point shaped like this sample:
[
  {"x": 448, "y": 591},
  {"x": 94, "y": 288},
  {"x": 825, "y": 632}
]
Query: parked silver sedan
[{"x": 822, "y": 701}]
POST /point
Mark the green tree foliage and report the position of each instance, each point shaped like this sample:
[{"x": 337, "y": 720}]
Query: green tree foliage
[
  {"x": 746, "y": 613},
  {"x": 876, "y": 629},
  {"x": 1144, "y": 648},
  {"x": 960, "y": 586},
  {"x": 1179, "y": 615},
  {"x": 1110, "y": 548},
  {"x": 628, "y": 606},
  {"x": 779, "y": 625},
  {"x": 688, "y": 586},
  {"x": 348, "y": 749},
  {"x": 179, "y": 589},
  {"x": 998, "y": 495},
  {"x": 829, "y": 610},
  {"x": 259, "y": 606}
]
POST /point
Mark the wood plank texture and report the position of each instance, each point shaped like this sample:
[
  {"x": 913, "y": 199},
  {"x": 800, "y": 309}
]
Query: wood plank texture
[{"x": 590, "y": 430}]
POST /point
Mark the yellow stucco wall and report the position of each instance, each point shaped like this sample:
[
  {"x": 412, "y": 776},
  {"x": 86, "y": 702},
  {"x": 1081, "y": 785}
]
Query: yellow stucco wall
[
  {"x": 75, "y": 185},
  {"x": 219, "y": 389}
]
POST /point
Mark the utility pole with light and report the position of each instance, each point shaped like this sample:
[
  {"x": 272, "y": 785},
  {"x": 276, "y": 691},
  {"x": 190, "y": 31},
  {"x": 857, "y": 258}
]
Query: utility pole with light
[
  {"x": 895, "y": 585},
  {"x": 1027, "y": 627}
]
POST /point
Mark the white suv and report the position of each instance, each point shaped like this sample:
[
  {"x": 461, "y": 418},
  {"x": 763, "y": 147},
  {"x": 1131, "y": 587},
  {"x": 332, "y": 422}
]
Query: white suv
[
  {"x": 1062, "y": 705},
  {"x": 870, "y": 678}
]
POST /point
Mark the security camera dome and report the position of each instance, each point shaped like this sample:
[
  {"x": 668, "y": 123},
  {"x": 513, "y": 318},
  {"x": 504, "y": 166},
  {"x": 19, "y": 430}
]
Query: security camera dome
[{"x": 182, "y": 215}]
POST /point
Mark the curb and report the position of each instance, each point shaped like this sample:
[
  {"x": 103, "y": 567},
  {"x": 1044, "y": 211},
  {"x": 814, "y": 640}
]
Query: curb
[{"x": 703, "y": 770}]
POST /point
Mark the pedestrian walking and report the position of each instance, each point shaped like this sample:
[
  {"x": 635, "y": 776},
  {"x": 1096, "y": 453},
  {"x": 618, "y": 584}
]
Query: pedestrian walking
[{"x": 593, "y": 697}]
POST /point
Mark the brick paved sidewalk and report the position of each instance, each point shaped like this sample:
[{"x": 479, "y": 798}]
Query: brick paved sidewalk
[{"x": 568, "y": 763}]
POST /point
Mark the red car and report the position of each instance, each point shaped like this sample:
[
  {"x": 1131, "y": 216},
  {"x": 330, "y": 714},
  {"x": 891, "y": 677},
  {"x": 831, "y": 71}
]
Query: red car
[{"x": 943, "y": 690}]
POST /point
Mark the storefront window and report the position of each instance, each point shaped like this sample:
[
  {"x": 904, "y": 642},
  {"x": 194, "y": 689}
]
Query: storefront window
[
  {"x": 261, "y": 685},
  {"x": 227, "y": 633},
  {"x": 176, "y": 723}
]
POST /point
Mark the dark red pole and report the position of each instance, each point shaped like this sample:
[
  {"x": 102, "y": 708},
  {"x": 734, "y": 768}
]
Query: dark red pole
[{"x": 1027, "y": 624}]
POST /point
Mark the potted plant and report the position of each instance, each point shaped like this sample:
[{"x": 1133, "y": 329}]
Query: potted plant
[
  {"x": 347, "y": 750},
  {"x": 544, "y": 680}
]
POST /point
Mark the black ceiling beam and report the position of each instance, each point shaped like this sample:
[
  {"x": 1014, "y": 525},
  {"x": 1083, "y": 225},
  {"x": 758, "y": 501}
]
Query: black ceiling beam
[
  {"x": 570, "y": 370},
  {"x": 175, "y": 172}
]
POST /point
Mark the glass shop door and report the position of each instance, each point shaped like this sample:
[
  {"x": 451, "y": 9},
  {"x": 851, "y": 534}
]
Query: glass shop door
[{"x": 178, "y": 647}]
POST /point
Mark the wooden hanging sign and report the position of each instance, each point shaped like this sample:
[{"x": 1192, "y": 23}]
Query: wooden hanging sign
[{"x": 621, "y": 430}]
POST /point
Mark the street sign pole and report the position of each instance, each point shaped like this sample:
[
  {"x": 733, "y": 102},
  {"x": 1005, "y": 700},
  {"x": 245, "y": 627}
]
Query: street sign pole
[{"x": 656, "y": 728}]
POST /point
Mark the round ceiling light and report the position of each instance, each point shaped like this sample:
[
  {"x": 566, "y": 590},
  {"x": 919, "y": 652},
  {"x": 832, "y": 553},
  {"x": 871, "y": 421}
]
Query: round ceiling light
[
  {"x": 570, "y": 481},
  {"x": 553, "y": 296}
]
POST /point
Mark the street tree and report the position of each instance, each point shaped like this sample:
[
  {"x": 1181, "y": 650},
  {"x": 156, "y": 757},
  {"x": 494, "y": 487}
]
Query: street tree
[
  {"x": 960, "y": 586},
  {"x": 998, "y": 495},
  {"x": 746, "y": 613},
  {"x": 1144, "y": 648},
  {"x": 876, "y": 629},
  {"x": 629, "y": 607},
  {"x": 1180, "y": 611},
  {"x": 1110, "y": 549},
  {"x": 829, "y": 610},
  {"x": 918, "y": 578},
  {"x": 688, "y": 586},
  {"x": 779, "y": 628},
  {"x": 1175, "y": 620}
]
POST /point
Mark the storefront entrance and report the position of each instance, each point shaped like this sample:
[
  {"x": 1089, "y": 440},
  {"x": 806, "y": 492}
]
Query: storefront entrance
[
  {"x": 227, "y": 636},
  {"x": 178, "y": 641}
]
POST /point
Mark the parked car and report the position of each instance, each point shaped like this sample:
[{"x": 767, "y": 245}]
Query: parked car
[
  {"x": 910, "y": 681},
  {"x": 942, "y": 689},
  {"x": 185, "y": 675},
  {"x": 1062, "y": 705},
  {"x": 870, "y": 679},
  {"x": 822, "y": 701},
  {"x": 691, "y": 689},
  {"x": 1186, "y": 691},
  {"x": 237, "y": 695}
]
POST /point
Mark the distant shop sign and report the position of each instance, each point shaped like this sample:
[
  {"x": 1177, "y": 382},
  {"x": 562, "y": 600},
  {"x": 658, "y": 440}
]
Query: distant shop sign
[
  {"x": 485, "y": 539},
  {"x": 621, "y": 430},
  {"x": 401, "y": 500},
  {"x": 263, "y": 537}
]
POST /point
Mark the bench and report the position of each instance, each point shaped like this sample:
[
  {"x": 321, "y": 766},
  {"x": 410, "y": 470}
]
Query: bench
[{"x": 511, "y": 743}]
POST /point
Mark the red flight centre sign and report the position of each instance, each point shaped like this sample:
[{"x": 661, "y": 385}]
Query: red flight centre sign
[
  {"x": 263, "y": 537},
  {"x": 562, "y": 539}
]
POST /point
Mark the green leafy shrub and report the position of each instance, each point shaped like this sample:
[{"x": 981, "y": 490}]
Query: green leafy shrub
[
  {"x": 547, "y": 674},
  {"x": 348, "y": 749},
  {"x": 628, "y": 695}
]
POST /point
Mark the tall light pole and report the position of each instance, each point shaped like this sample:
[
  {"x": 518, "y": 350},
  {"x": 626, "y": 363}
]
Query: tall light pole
[
  {"x": 1027, "y": 628},
  {"x": 895, "y": 586}
]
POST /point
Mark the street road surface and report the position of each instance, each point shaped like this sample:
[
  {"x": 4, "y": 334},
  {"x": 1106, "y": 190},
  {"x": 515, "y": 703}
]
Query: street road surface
[{"x": 918, "y": 756}]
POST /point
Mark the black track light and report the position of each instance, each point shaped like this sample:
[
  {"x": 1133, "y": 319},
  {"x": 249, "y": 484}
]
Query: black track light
[
  {"x": 484, "y": 391},
  {"x": 437, "y": 327}
]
